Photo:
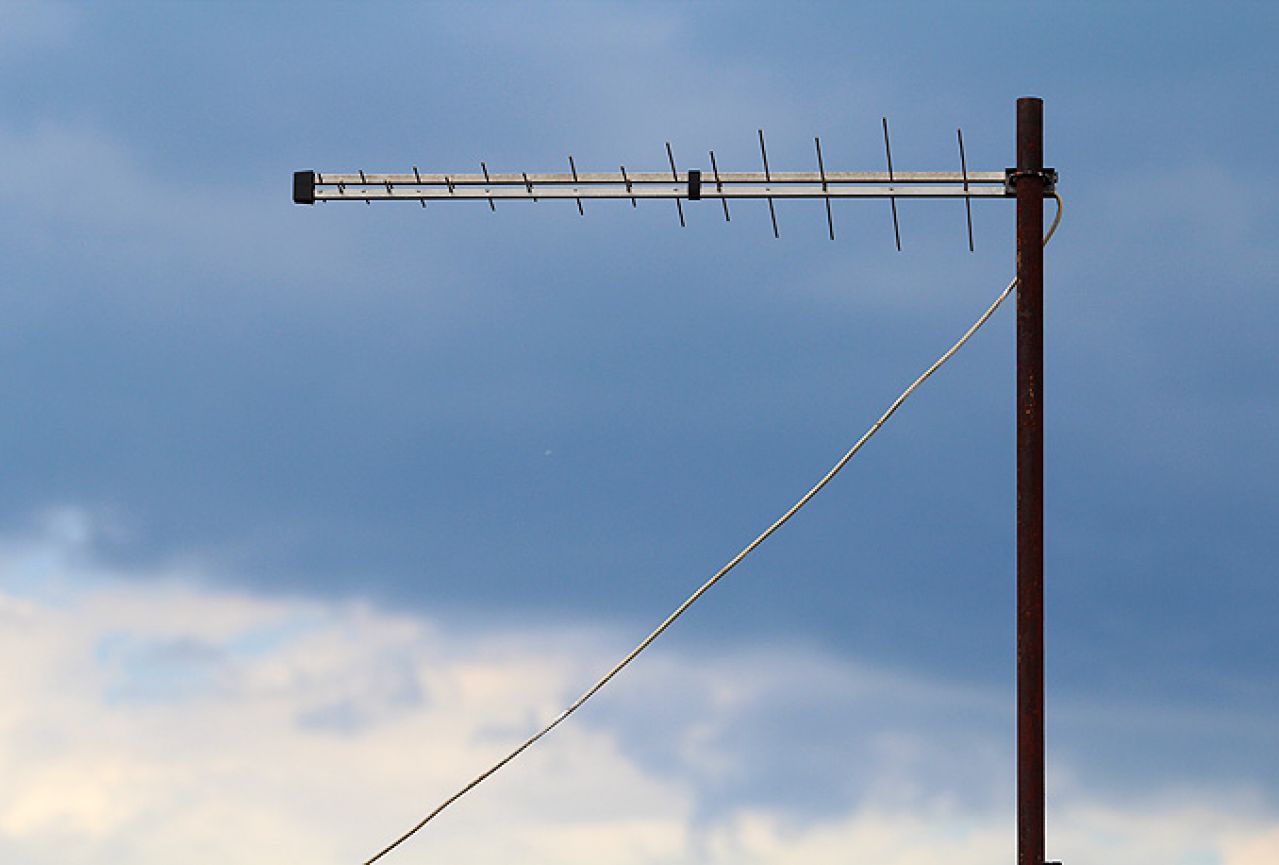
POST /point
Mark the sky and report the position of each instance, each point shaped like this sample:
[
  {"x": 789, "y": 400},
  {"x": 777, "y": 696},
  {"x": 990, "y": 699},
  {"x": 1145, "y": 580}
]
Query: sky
[{"x": 310, "y": 513}]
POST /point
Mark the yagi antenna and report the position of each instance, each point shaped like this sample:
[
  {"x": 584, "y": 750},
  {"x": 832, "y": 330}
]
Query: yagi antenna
[{"x": 678, "y": 185}]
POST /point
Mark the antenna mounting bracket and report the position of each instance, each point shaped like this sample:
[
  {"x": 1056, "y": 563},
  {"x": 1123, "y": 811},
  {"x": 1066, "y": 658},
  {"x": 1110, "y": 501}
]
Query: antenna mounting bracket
[{"x": 1049, "y": 176}]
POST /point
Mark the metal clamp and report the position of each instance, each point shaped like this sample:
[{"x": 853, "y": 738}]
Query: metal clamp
[{"x": 1048, "y": 175}]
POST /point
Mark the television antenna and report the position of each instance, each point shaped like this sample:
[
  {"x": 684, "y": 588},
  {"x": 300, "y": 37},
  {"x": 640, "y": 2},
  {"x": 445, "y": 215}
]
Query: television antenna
[{"x": 1028, "y": 183}]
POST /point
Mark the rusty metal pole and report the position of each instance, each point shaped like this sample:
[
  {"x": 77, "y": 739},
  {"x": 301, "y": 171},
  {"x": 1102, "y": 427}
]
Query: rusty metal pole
[{"x": 1030, "y": 481}]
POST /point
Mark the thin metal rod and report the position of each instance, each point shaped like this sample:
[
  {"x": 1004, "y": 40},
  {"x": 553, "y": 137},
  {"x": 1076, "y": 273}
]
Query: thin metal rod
[
  {"x": 888, "y": 151},
  {"x": 418, "y": 177},
  {"x": 768, "y": 178},
  {"x": 719, "y": 186},
  {"x": 528, "y": 186},
  {"x": 821, "y": 168},
  {"x": 675, "y": 177},
  {"x": 485, "y": 169},
  {"x": 968, "y": 202},
  {"x": 573, "y": 167},
  {"x": 1030, "y": 482},
  {"x": 626, "y": 180}
]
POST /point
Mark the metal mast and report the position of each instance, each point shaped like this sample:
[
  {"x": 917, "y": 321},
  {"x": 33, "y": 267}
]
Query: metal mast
[
  {"x": 1030, "y": 180},
  {"x": 1028, "y": 183}
]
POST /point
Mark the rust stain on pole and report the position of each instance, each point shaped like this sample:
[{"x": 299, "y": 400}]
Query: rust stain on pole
[{"x": 1030, "y": 482}]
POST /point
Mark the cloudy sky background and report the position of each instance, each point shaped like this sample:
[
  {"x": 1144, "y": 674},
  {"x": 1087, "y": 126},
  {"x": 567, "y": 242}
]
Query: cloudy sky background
[{"x": 309, "y": 513}]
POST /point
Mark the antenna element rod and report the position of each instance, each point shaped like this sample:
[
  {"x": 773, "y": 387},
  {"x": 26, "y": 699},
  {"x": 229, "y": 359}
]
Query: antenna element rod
[{"x": 888, "y": 152}]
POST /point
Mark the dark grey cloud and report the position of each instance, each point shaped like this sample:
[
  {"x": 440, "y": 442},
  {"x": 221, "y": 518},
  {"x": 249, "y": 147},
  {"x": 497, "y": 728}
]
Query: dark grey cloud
[{"x": 528, "y": 414}]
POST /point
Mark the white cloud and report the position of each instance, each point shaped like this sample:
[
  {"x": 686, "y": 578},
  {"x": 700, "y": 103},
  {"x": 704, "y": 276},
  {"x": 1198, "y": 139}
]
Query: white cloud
[{"x": 152, "y": 720}]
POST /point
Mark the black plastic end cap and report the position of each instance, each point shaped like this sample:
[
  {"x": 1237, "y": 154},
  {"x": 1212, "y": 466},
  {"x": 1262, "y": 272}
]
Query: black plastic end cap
[
  {"x": 694, "y": 185},
  {"x": 304, "y": 187}
]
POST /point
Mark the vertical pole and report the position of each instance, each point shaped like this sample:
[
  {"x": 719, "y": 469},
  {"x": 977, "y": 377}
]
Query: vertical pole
[{"x": 1030, "y": 482}]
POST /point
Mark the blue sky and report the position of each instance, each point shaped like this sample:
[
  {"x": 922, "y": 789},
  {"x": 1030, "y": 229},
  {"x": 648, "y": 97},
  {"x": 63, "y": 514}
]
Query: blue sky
[{"x": 470, "y": 441}]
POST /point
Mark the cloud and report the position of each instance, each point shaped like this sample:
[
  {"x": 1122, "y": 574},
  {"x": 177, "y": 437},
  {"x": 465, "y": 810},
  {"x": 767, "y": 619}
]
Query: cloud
[
  {"x": 343, "y": 383},
  {"x": 147, "y": 720}
]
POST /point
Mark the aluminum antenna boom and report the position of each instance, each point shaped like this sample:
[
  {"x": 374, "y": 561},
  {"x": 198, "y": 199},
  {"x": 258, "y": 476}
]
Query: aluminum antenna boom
[{"x": 311, "y": 186}]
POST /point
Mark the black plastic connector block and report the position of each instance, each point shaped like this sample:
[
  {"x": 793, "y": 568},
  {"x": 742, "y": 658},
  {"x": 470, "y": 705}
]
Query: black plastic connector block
[{"x": 304, "y": 187}]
